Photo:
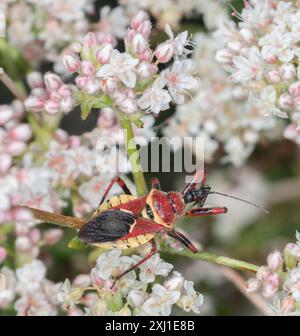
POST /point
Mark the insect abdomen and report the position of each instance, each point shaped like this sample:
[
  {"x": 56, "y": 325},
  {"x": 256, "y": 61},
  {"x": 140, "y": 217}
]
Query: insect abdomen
[
  {"x": 123, "y": 244},
  {"x": 114, "y": 201}
]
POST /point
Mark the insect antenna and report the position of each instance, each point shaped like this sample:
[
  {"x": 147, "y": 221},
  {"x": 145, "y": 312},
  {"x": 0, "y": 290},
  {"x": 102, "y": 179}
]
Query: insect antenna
[{"x": 241, "y": 200}]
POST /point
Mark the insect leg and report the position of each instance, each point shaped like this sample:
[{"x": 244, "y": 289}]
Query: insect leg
[
  {"x": 121, "y": 183},
  {"x": 206, "y": 211},
  {"x": 152, "y": 252},
  {"x": 155, "y": 184},
  {"x": 199, "y": 177},
  {"x": 183, "y": 240}
]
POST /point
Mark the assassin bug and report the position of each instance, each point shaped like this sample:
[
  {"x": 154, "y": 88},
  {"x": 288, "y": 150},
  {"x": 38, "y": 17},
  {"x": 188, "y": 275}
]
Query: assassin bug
[{"x": 127, "y": 221}]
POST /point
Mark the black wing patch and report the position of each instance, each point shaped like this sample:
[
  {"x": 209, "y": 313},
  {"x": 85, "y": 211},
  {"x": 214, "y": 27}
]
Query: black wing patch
[{"x": 106, "y": 227}]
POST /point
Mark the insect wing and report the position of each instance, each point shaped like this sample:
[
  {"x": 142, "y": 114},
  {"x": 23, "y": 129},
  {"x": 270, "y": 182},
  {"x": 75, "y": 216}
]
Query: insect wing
[{"x": 107, "y": 226}]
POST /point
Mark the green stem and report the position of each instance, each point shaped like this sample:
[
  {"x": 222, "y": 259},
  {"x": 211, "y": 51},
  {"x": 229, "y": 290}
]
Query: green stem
[
  {"x": 213, "y": 258},
  {"x": 133, "y": 155}
]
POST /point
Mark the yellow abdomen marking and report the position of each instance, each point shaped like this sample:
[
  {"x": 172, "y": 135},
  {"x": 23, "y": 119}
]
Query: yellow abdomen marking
[
  {"x": 123, "y": 244},
  {"x": 115, "y": 200}
]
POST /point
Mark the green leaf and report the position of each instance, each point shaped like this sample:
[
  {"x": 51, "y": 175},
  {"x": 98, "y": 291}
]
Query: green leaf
[{"x": 77, "y": 244}]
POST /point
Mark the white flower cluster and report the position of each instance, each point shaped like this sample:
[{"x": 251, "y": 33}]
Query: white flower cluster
[
  {"x": 131, "y": 294},
  {"x": 280, "y": 279},
  {"x": 173, "y": 11},
  {"x": 219, "y": 111},
  {"x": 41, "y": 28},
  {"x": 262, "y": 54},
  {"x": 130, "y": 81},
  {"x": 31, "y": 292}
]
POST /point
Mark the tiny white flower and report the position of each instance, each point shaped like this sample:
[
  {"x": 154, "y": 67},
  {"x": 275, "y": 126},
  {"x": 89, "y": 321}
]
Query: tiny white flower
[
  {"x": 160, "y": 301},
  {"x": 155, "y": 98},
  {"x": 121, "y": 66},
  {"x": 179, "y": 79},
  {"x": 153, "y": 267},
  {"x": 248, "y": 66}
]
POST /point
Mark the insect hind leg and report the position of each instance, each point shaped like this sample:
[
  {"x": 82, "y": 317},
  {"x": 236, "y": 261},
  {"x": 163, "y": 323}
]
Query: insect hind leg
[
  {"x": 148, "y": 256},
  {"x": 120, "y": 182}
]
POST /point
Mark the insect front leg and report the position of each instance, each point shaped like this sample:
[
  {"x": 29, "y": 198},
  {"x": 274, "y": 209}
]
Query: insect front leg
[
  {"x": 199, "y": 177},
  {"x": 206, "y": 211},
  {"x": 152, "y": 252},
  {"x": 121, "y": 183},
  {"x": 155, "y": 184},
  {"x": 183, "y": 240}
]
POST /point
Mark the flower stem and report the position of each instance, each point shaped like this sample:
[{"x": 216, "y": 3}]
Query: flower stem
[
  {"x": 9, "y": 83},
  {"x": 133, "y": 155},
  {"x": 213, "y": 258}
]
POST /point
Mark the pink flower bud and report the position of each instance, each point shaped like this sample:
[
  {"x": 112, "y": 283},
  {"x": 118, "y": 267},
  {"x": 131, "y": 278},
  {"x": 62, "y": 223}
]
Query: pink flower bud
[
  {"x": 5, "y": 163},
  {"x": 3, "y": 254},
  {"x": 90, "y": 40},
  {"x": 164, "y": 52},
  {"x": 273, "y": 76},
  {"x": 52, "y": 81},
  {"x": 6, "y": 113},
  {"x": 71, "y": 62},
  {"x": 35, "y": 79},
  {"x": 15, "y": 148},
  {"x": 275, "y": 261},
  {"x": 65, "y": 91},
  {"x": 271, "y": 285},
  {"x": 287, "y": 71},
  {"x": 66, "y": 104},
  {"x": 224, "y": 56},
  {"x": 21, "y": 132},
  {"x": 139, "y": 44},
  {"x": 34, "y": 104},
  {"x": 52, "y": 107},
  {"x": 103, "y": 55},
  {"x": 87, "y": 68},
  {"x": 294, "y": 89},
  {"x": 145, "y": 29},
  {"x": 252, "y": 285},
  {"x": 81, "y": 81},
  {"x": 286, "y": 101},
  {"x": 138, "y": 19}
]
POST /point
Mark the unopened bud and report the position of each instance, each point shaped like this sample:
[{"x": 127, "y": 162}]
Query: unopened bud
[
  {"x": 136, "y": 298},
  {"x": 273, "y": 76},
  {"x": 71, "y": 62},
  {"x": 138, "y": 19},
  {"x": 291, "y": 255},
  {"x": 22, "y": 132},
  {"x": 52, "y": 81},
  {"x": 275, "y": 261},
  {"x": 164, "y": 52},
  {"x": 35, "y": 79},
  {"x": 139, "y": 43},
  {"x": 103, "y": 54}
]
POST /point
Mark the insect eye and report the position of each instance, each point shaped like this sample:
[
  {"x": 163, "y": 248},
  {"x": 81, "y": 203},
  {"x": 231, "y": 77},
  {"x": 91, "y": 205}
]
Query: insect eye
[{"x": 149, "y": 211}]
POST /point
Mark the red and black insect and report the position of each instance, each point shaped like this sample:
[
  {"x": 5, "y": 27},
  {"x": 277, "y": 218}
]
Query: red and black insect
[{"x": 127, "y": 221}]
